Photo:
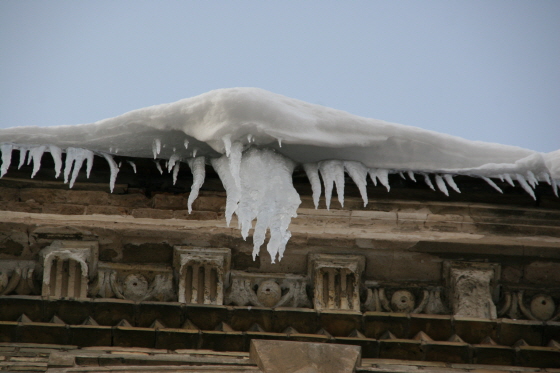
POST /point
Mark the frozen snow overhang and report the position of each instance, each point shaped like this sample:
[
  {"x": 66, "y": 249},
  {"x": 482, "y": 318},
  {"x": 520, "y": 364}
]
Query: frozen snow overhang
[{"x": 254, "y": 139}]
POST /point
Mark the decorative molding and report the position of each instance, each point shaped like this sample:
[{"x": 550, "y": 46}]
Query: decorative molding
[
  {"x": 336, "y": 281},
  {"x": 137, "y": 282},
  {"x": 68, "y": 267},
  {"x": 539, "y": 307},
  {"x": 202, "y": 274},
  {"x": 268, "y": 290},
  {"x": 16, "y": 276},
  {"x": 403, "y": 300}
]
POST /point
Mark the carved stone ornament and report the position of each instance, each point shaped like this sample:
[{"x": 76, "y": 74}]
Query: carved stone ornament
[
  {"x": 68, "y": 267},
  {"x": 137, "y": 282},
  {"x": 472, "y": 288},
  {"x": 541, "y": 307},
  {"x": 202, "y": 274},
  {"x": 336, "y": 280},
  {"x": 403, "y": 300},
  {"x": 267, "y": 290},
  {"x": 16, "y": 277}
]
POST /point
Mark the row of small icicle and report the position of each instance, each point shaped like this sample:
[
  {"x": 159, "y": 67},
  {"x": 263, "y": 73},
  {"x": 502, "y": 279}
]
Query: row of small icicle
[{"x": 332, "y": 171}]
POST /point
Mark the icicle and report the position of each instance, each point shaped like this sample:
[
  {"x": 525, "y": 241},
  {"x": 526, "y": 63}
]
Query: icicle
[
  {"x": 429, "y": 182},
  {"x": 555, "y": 186},
  {"x": 120, "y": 164},
  {"x": 546, "y": 177},
  {"x": 36, "y": 154},
  {"x": 358, "y": 172},
  {"x": 6, "y": 158},
  {"x": 233, "y": 193},
  {"x": 441, "y": 185},
  {"x": 525, "y": 185},
  {"x": 227, "y": 144},
  {"x": 402, "y": 175},
  {"x": 114, "y": 170},
  {"x": 198, "y": 169},
  {"x": 501, "y": 176},
  {"x": 176, "y": 171},
  {"x": 491, "y": 183},
  {"x": 279, "y": 142},
  {"x": 75, "y": 158},
  {"x": 69, "y": 163},
  {"x": 312, "y": 171},
  {"x": 22, "y": 156},
  {"x": 380, "y": 174},
  {"x": 56, "y": 154},
  {"x": 333, "y": 172},
  {"x": 172, "y": 160},
  {"x": 234, "y": 155},
  {"x": 532, "y": 179},
  {"x": 373, "y": 175},
  {"x": 449, "y": 179},
  {"x": 383, "y": 176},
  {"x": 158, "y": 167},
  {"x": 411, "y": 175},
  {"x": 507, "y": 177},
  {"x": 89, "y": 162},
  {"x": 195, "y": 150},
  {"x": 186, "y": 143},
  {"x": 249, "y": 138},
  {"x": 131, "y": 163},
  {"x": 156, "y": 147}
]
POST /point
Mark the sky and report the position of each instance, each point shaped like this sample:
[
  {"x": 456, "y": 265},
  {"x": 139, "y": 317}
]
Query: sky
[{"x": 481, "y": 70}]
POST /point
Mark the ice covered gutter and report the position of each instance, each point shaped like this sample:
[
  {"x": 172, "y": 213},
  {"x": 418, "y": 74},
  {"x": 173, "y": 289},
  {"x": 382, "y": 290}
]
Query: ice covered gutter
[{"x": 251, "y": 137}]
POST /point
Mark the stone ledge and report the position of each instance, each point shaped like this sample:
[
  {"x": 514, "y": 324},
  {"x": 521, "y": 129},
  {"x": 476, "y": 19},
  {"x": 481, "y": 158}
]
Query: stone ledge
[{"x": 385, "y": 335}]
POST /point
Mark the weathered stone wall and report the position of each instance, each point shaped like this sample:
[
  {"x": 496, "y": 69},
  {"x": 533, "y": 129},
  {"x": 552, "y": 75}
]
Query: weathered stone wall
[{"x": 402, "y": 240}]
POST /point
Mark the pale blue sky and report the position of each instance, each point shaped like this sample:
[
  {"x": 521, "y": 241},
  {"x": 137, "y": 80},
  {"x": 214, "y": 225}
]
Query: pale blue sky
[{"x": 482, "y": 70}]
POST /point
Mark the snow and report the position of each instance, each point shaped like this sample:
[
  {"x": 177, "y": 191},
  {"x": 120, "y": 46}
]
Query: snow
[{"x": 251, "y": 137}]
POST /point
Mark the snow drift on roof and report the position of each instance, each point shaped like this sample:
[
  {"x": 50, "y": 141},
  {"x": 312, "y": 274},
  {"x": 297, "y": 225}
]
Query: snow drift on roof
[{"x": 226, "y": 123}]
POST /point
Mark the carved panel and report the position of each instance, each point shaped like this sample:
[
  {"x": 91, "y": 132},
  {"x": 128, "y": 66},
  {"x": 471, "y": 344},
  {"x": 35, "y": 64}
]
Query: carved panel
[
  {"x": 16, "y": 277},
  {"x": 268, "y": 290},
  {"x": 517, "y": 304},
  {"x": 67, "y": 267},
  {"x": 336, "y": 281},
  {"x": 404, "y": 299},
  {"x": 137, "y": 282},
  {"x": 202, "y": 274}
]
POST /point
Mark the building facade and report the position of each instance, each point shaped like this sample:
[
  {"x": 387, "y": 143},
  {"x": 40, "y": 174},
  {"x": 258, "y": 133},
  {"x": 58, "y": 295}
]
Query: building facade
[{"x": 131, "y": 281}]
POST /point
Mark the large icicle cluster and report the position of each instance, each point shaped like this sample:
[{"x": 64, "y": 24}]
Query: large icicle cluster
[
  {"x": 259, "y": 187},
  {"x": 254, "y": 139}
]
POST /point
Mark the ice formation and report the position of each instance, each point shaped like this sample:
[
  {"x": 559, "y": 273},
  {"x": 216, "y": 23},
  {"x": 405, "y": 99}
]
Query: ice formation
[
  {"x": 259, "y": 187},
  {"x": 254, "y": 139},
  {"x": 198, "y": 169}
]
